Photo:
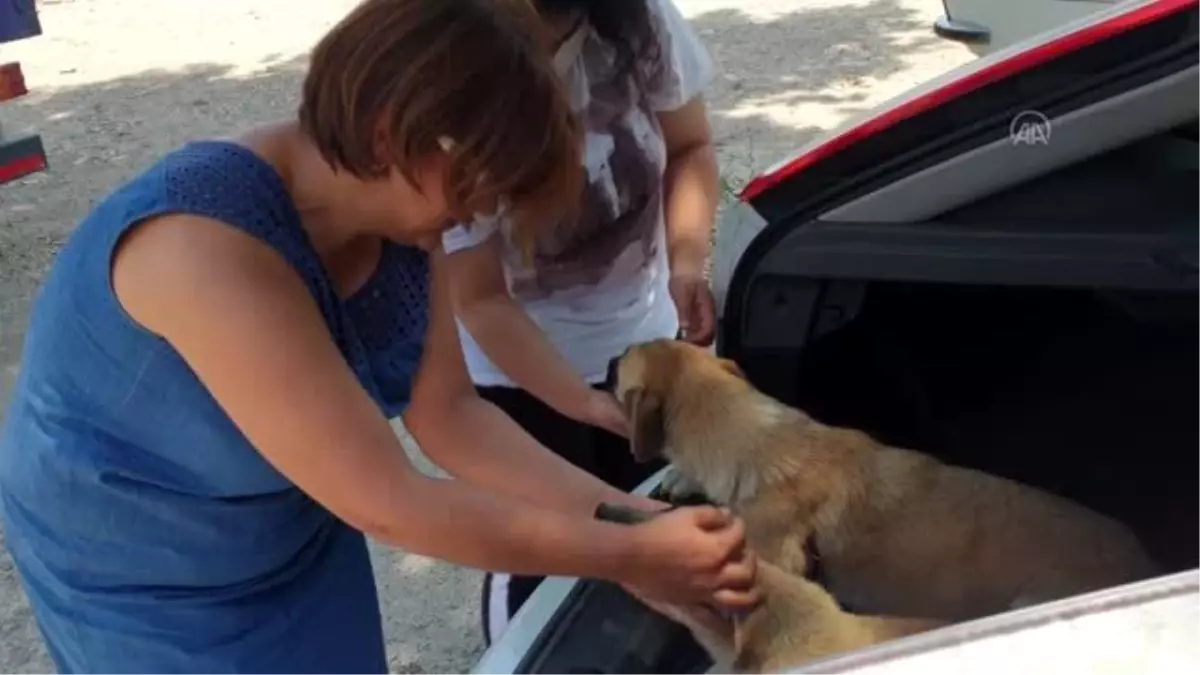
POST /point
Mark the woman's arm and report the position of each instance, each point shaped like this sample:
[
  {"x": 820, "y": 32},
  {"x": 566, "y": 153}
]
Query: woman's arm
[
  {"x": 514, "y": 342},
  {"x": 691, "y": 185},
  {"x": 451, "y": 422},
  {"x": 245, "y": 323},
  {"x": 692, "y": 193}
]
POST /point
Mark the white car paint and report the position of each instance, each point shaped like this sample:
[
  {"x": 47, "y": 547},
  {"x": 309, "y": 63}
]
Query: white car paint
[
  {"x": 1147, "y": 628},
  {"x": 1010, "y": 21}
]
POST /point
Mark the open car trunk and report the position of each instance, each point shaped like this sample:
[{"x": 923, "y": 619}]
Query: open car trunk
[{"x": 1087, "y": 393}]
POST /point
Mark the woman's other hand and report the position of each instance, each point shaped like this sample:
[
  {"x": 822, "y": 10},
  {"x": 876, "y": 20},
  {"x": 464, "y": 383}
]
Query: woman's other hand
[
  {"x": 692, "y": 185},
  {"x": 602, "y": 410},
  {"x": 696, "y": 306},
  {"x": 515, "y": 344},
  {"x": 694, "y": 555}
]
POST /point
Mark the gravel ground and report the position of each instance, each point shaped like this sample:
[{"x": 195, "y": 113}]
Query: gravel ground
[{"x": 116, "y": 83}]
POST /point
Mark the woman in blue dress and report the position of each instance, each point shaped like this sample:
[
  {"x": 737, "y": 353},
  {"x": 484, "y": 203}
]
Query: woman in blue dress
[{"x": 199, "y": 436}]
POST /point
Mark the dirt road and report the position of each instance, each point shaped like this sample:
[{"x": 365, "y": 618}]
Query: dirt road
[{"x": 116, "y": 83}]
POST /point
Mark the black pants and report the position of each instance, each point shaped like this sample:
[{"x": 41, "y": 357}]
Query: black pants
[{"x": 599, "y": 452}]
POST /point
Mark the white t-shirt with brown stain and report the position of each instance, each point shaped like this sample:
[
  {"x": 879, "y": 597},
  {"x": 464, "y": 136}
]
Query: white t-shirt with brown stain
[{"x": 598, "y": 283}]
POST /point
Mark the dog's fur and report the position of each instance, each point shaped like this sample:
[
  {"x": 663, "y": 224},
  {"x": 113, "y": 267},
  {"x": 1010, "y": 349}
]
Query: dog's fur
[
  {"x": 797, "y": 621},
  {"x": 897, "y": 532}
]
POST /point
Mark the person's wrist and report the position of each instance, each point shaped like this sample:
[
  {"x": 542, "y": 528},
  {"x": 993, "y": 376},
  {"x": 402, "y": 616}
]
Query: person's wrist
[
  {"x": 690, "y": 271},
  {"x": 578, "y": 404},
  {"x": 640, "y": 502},
  {"x": 622, "y": 553},
  {"x": 688, "y": 259}
]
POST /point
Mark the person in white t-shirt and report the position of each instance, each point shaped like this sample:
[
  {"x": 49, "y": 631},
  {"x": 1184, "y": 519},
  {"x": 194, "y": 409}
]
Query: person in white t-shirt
[{"x": 540, "y": 320}]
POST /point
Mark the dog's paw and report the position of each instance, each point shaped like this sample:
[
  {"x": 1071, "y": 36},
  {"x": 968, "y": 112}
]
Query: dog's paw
[{"x": 678, "y": 488}]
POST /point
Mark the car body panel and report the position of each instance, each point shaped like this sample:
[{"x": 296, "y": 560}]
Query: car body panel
[
  {"x": 986, "y": 26},
  {"x": 507, "y": 654},
  {"x": 739, "y": 225},
  {"x": 972, "y": 80},
  {"x": 1077, "y": 135},
  {"x": 963, "y": 177},
  {"x": 1146, "y": 627}
]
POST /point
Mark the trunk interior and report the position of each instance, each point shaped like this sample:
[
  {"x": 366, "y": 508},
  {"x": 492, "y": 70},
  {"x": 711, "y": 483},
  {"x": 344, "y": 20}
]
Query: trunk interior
[{"x": 1089, "y": 394}]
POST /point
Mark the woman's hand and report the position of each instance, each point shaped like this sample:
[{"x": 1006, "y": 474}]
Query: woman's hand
[
  {"x": 693, "y": 555},
  {"x": 696, "y": 306},
  {"x": 602, "y": 410},
  {"x": 516, "y": 345},
  {"x": 692, "y": 190}
]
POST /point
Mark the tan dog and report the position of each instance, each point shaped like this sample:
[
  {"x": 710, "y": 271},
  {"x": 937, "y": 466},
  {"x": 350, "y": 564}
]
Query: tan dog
[
  {"x": 798, "y": 621},
  {"x": 896, "y": 531}
]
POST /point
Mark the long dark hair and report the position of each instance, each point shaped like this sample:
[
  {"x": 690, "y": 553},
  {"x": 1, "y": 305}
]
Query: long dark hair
[{"x": 624, "y": 24}]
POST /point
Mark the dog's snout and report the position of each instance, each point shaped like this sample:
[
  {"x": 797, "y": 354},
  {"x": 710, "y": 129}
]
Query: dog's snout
[{"x": 610, "y": 377}]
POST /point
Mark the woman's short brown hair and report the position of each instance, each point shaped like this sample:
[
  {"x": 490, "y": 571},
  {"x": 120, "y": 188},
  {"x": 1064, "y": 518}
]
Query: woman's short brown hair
[{"x": 418, "y": 73}]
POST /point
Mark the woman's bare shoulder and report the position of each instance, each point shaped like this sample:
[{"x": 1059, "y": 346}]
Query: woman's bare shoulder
[{"x": 163, "y": 266}]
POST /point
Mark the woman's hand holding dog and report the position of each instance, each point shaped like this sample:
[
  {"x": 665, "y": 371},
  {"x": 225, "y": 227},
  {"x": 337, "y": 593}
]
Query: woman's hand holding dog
[
  {"x": 693, "y": 555},
  {"x": 602, "y": 410}
]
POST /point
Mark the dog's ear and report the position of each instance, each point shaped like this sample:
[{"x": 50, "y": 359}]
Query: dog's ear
[
  {"x": 646, "y": 422},
  {"x": 731, "y": 367}
]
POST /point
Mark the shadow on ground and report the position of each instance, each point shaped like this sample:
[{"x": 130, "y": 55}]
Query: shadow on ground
[
  {"x": 765, "y": 103},
  {"x": 782, "y": 81},
  {"x": 96, "y": 137}
]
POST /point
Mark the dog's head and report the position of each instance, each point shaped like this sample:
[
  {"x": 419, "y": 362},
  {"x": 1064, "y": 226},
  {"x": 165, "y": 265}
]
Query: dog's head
[{"x": 647, "y": 375}]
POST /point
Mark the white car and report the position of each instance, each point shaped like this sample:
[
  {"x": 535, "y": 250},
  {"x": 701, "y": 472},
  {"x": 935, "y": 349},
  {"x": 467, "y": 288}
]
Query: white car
[{"x": 998, "y": 268}]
